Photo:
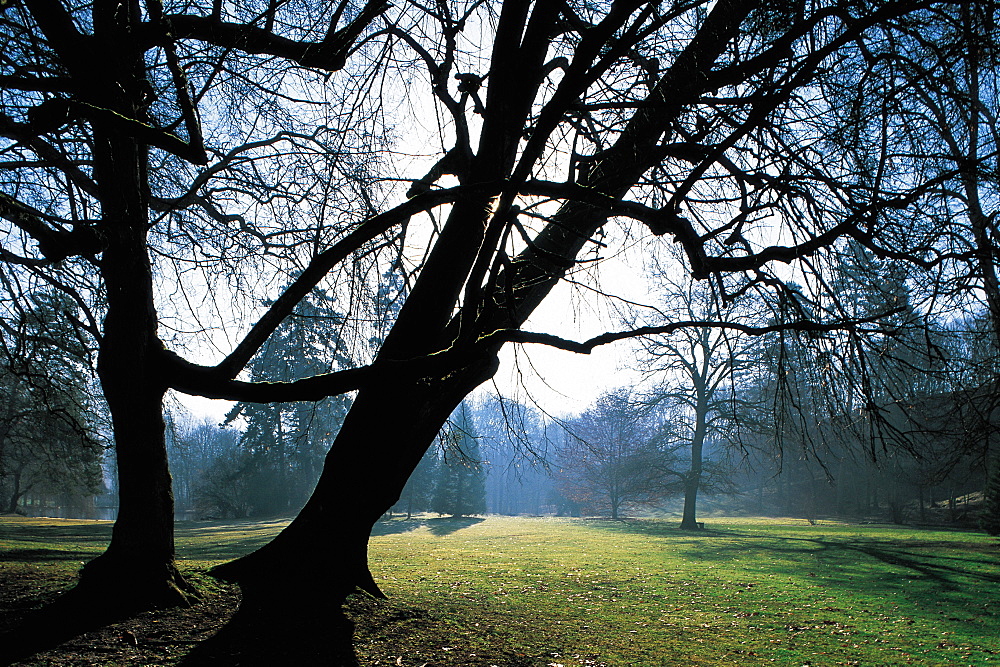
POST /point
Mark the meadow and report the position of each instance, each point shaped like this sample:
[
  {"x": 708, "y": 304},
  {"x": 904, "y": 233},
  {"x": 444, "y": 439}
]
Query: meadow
[{"x": 516, "y": 592}]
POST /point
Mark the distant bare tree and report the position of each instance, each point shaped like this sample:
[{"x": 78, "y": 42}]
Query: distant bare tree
[
  {"x": 609, "y": 458},
  {"x": 696, "y": 371}
]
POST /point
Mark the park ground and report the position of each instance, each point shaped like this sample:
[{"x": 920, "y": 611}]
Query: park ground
[{"x": 525, "y": 592}]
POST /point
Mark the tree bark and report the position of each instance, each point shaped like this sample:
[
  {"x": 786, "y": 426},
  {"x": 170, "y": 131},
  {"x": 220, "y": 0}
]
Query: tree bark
[
  {"x": 138, "y": 566},
  {"x": 15, "y": 494},
  {"x": 137, "y": 570}
]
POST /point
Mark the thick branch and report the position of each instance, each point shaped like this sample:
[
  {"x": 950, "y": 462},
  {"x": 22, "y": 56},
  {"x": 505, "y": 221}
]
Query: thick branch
[
  {"x": 54, "y": 244},
  {"x": 326, "y": 260},
  {"x": 46, "y": 84},
  {"x": 145, "y": 133},
  {"x": 329, "y": 54},
  {"x": 209, "y": 382}
]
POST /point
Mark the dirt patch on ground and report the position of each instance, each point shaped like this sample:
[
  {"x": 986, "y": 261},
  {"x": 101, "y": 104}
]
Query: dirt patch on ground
[
  {"x": 385, "y": 632},
  {"x": 151, "y": 638}
]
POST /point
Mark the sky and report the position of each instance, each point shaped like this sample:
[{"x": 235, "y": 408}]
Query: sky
[{"x": 560, "y": 383}]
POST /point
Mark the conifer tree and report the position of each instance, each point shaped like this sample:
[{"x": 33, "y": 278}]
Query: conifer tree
[
  {"x": 284, "y": 443},
  {"x": 461, "y": 482},
  {"x": 418, "y": 493}
]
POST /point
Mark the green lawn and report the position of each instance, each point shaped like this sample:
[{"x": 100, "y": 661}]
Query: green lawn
[{"x": 641, "y": 592}]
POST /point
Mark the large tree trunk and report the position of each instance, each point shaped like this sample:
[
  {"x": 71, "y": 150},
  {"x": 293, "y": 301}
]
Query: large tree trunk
[
  {"x": 294, "y": 586},
  {"x": 380, "y": 444},
  {"x": 15, "y": 493},
  {"x": 138, "y": 567},
  {"x": 689, "y": 520},
  {"x": 137, "y": 570}
]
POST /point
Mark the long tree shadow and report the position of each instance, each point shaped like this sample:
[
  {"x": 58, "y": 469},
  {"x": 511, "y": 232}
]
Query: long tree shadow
[
  {"x": 43, "y": 555},
  {"x": 57, "y": 621},
  {"x": 397, "y": 526},
  {"x": 261, "y": 633},
  {"x": 440, "y": 526},
  {"x": 27, "y": 542},
  {"x": 96, "y": 532},
  {"x": 449, "y": 525},
  {"x": 946, "y": 572},
  {"x": 224, "y": 541}
]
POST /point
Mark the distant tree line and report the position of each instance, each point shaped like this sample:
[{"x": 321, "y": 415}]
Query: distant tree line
[
  {"x": 889, "y": 421},
  {"x": 51, "y": 436}
]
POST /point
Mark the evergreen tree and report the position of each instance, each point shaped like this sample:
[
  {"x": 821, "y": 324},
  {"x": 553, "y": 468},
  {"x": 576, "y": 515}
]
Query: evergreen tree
[
  {"x": 49, "y": 440},
  {"x": 284, "y": 443},
  {"x": 418, "y": 494},
  {"x": 461, "y": 479}
]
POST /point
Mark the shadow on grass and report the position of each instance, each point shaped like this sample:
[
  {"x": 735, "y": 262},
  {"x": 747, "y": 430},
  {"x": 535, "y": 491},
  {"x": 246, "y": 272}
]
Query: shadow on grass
[
  {"x": 224, "y": 541},
  {"x": 59, "y": 619},
  {"x": 439, "y": 527},
  {"x": 856, "y": 563},
  {"x": 396, "y": 526},
  {"x": 96, "y": 532},
  {"x": 656, "y": 528},
  {"x": 449, "y": 525},
  {"x": 76, "y": 541},
  {"x": 42, "y": 555}
]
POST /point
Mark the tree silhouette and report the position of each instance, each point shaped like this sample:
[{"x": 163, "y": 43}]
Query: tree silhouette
[{"x": 170, "y": 165}]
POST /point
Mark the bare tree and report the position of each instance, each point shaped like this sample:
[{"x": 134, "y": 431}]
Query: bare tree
[
  {"x": 696, "y": 371},
  {"x": 116, "y": 193},
  {"x": 609, "y": 458},
  {"x": 151, "y": 146}
]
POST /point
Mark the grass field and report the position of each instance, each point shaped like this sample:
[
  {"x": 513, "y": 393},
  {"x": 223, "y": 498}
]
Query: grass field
[{"x": 525, "y": 591}]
